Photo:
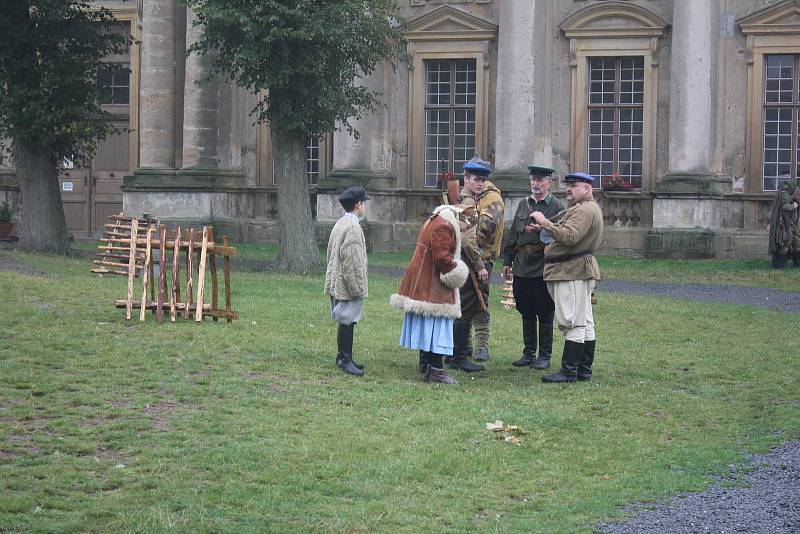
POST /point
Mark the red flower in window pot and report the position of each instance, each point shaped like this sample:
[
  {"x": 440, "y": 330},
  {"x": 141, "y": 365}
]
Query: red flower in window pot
[{"x": 616, "y": 183}]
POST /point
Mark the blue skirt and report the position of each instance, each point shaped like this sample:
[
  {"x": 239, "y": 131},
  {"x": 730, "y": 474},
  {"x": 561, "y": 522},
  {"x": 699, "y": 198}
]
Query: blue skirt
[{"x": 431, "y": 334}]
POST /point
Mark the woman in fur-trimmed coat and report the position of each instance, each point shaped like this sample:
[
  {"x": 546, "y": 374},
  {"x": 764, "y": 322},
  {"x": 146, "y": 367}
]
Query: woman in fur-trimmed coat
[{"x": 429, "y": 294}]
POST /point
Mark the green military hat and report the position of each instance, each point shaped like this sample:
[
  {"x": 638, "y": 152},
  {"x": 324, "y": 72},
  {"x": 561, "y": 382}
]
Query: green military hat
[{"x": 540, "y": 170}]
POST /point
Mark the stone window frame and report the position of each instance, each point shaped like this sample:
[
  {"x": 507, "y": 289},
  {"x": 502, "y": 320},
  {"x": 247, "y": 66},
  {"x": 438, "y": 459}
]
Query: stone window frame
[
  {"x": 638, "y": 36},
  {"x": 446, "y": 33},
  {"x": 774, "y": 30}
]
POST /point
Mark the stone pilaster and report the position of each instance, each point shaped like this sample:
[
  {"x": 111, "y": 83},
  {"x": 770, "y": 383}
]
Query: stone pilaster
[
  {"x": 516, "y": 99},
  {"x": 201, "y": 103},
  {"x": 691, "y": 107},
  {"x": 157, "y": 86},
  {"x": 365, "y": 161}
]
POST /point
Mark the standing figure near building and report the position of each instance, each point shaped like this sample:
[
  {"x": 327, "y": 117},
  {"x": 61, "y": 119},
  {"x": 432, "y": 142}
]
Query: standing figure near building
[
  {"x": 490, "y": 238},
  {"x": 525, "y": 251},
  {"x": 784, "y": 227},
  {"x": 570, "y": 270},
  {"x": 429, "y": 294},
  {"x": 472, "y": 300},
  {"x": 346, "y": 275}
]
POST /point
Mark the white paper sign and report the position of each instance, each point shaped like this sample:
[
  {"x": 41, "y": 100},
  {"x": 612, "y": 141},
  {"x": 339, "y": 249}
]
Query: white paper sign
[{"x": 66, "y": 186}]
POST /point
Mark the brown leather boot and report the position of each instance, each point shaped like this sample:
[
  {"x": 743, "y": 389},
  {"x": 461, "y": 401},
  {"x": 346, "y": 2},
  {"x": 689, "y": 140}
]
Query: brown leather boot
[{"x": 437, "y": 375}]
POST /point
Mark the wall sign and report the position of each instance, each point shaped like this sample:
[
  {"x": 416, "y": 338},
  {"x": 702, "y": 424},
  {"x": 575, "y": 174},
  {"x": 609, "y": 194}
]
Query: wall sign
[{"x": 67, "y": 186}]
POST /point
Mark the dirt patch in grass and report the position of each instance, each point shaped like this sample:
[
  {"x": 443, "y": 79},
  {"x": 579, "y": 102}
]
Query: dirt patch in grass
[
  {"x": 20, "y": 444},
  {"x": 15, "y": 266},
  {"x": 161, "y": 414}
]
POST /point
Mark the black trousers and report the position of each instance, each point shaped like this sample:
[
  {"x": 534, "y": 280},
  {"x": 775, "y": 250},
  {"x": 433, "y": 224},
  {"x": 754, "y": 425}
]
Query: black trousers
[{"x": 533, "y": 300}]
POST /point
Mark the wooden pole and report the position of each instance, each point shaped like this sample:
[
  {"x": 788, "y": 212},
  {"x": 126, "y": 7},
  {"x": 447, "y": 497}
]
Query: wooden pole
[
  {"x": 147, "y": 272},
  {"x": 189, "y": 273},
  {"x": 174, "y": 296},
  {"x": 226, "y": 270},
  {"x": 214, "y": 289},
  {"x": 162, "y": 275},
  {"x": 131, "y": 269},
  {"x": 201, "y": 276}
]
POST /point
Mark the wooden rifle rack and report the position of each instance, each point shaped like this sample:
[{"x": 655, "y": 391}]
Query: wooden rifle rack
[{"x": 141, "y": 238}]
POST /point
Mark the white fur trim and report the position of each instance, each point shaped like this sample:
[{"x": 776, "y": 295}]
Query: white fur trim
[
  {"x": 455, "y": 278},
  {"x": 427, "y": 309}
]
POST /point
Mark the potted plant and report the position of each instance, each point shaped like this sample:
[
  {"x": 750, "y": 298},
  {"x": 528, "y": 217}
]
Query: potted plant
[
  {"x": 616, "y": 183},
  {"x": 5, "y": 220}
]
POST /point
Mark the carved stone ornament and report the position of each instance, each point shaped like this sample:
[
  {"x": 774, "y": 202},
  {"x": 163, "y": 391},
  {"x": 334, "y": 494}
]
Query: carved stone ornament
[{"x": 417, "y": 3}]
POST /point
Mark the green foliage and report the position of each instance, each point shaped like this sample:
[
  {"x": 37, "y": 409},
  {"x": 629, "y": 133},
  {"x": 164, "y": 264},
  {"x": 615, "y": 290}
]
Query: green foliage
[
  {"x": 307, "y": 55},
  {"x": 5, "y": 212},
  {"x": 50, "y": 54}
]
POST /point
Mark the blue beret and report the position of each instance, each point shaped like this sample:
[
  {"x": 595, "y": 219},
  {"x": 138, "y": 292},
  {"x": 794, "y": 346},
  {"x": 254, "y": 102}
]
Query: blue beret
[
  {"x": 478, "y": 166},
  {"x": 354, "y": 194},
  {"x": 579, "y": 177}
]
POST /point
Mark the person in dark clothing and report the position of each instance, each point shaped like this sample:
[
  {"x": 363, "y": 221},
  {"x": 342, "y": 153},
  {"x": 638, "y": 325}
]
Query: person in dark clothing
[{"x": 524, "y": 251}]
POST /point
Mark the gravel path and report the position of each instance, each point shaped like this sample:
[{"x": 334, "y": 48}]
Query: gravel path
[
  {"x": 772, "y": 299},
  {"x": 768, "y": 502}
]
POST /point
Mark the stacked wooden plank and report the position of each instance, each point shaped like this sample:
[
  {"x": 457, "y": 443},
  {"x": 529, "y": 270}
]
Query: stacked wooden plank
[
  {"x": 111, "y": 257},
  {"x": 150, "y": 245}
]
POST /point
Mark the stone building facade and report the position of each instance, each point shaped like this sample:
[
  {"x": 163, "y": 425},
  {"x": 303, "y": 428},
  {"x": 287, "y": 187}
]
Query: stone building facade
[{"x": 693, "y": 106}]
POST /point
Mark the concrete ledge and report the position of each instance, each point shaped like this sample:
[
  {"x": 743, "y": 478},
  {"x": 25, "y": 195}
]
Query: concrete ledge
[{"x": 678, "y": 243}]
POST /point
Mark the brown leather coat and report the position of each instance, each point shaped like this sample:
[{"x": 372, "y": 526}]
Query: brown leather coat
[{"x": 430, "y": 283}]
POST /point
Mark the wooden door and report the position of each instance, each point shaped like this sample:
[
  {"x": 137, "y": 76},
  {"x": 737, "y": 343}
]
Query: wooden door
[
  {"x": 110, "y": 165},
  {"x": 74, "y": 185}
]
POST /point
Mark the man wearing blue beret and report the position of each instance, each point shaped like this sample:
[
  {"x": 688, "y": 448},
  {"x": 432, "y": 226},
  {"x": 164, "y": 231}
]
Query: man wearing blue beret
[{"x": 571, "y": 270}]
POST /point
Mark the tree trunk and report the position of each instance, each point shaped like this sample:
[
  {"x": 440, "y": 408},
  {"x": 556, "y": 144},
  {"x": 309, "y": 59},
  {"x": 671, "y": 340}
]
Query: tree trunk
[
  {"x": 43, "y": 227},
  {"x": 299, "y": 252}
]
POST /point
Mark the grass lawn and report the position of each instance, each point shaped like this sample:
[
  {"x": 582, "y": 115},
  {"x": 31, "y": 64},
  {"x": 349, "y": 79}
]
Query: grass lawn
[{"x": 108, "y": 426}]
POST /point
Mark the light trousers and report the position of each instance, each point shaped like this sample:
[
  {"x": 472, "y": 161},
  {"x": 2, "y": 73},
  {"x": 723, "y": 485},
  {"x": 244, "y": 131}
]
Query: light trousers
[{"x": 573, "y": 300}]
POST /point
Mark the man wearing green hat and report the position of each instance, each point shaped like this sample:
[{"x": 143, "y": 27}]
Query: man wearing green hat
[{"x": 525, "y": 251}]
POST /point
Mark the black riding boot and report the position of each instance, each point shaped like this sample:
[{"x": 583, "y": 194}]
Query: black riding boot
[
  {"x": 573, "y": 353},
  {"x": 796, "y": 259},
  {"x": 424, "y": 360},
  {"x": 585, "y": 366},
  {"x": 344, "y": 360},
  {"x": 545, "y": 346},
  {"x": 461, "y": 329},
  {"x": 339, "y": 345},
  {"x": 529, "y": 342},
  {"x": 779, "y": 261}
]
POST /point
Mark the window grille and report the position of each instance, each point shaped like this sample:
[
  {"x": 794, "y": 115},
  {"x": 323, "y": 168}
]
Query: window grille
[
  {"x": 781, "y": 158},
  {"x": 450, "y": 102},
  {"x": 114, "y": 84},
  {"x": 616, "y": 118}
]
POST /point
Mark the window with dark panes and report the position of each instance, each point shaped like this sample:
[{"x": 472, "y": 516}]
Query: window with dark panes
[
  {"x": 781, "y": 158},
  {"x": 114, "y": 84},
  {"x": 450, "y": 101},
  {"x": 312, "y": 159},
  {"x": 616, "y": 119}
]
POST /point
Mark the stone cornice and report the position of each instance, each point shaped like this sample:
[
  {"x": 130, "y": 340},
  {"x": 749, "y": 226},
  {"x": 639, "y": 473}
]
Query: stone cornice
[
  {"x": 642, "y": 22},
  {"x": 449, "y": 23},
  {"x": 781, "y": 18}
]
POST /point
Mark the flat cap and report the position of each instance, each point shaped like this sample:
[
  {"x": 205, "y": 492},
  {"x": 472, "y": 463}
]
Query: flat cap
[
  {"x": 354, "y": 194},
  {"x": 579, "y": 177},
  {"x": 539, "y": 170},
  {"x": 478, "y": 166}
]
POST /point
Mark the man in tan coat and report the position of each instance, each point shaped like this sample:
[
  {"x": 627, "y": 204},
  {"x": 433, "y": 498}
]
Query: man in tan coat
[{"x": 570, "y": 271}]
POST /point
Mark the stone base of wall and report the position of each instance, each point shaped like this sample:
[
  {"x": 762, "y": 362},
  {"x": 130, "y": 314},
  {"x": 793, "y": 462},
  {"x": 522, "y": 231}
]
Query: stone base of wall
[{"x": 673, "y": 243}]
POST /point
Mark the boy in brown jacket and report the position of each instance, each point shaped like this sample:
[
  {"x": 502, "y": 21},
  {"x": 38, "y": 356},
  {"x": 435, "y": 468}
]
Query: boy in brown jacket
[{"x": 346, "y": 275}]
